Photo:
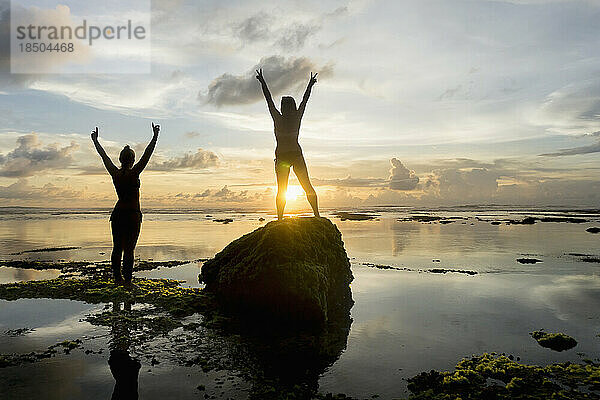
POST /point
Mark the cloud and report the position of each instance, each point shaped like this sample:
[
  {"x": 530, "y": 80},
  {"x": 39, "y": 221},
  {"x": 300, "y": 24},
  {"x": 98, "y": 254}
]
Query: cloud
[
  {"x": 476, "y": 184},
  {"x": 295, "y": 37},
  {"x": 256, "y": 27},
  {"x": 34, "y": 62},
  {"x": 401, "y": 178},
  {"x": 198, "y": 160},
  {"x": 224, "y": 195},
  {"x": 592, "y": 148},
  {"x": 281, "y": 74},
  {"x": 30, "y": 157},
  {"x": 192, "y": 134},
  {"x": 22, "y": 191},
  {"x": 352, "y": 182},
  {"x": 290, "y": 36},
  {"x": 6, "y": 78},
  {"x": 572, "y": 108},
  {"x": 206, "y": 193}
]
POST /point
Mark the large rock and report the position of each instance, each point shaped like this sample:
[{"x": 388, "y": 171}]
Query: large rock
[{"x": 297, "y": 269}]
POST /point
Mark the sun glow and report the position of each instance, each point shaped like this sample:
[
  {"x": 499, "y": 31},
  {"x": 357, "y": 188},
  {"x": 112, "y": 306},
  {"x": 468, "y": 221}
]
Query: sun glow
[{"x": 294, "y": 192}]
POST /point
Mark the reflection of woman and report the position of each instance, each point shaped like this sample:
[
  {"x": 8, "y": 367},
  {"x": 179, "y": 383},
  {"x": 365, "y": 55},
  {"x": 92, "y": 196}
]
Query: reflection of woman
[
  {"x": 123, "y": 367},
  {"x": 288, "y": 152},
  {"x": 126, "y": 217}
]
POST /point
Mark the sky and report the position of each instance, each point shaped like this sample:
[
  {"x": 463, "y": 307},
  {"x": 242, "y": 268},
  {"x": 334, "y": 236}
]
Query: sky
[{"x": 418, "y": 103}]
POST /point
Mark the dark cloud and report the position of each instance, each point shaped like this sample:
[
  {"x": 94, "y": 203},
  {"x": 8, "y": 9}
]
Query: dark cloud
[
  {"x": 295, "y": 37},
  {"x": 401, "y": 178},
  {"x": 338, "y": 12},
  {"x": 206, "y": 193},
  {"x": 573, "y": 108},
  {"x": 30, "y": 157},
  {"x": 198, "y": 160},
  {"x": 450, "y": 93},
  {"x": 225, "y": 195},
  {"x": 261, "y": 27},
  {"x": 281, "y": 73},
  {"x": 592, "y": 148},
  {"x": 256, "y": 27}
]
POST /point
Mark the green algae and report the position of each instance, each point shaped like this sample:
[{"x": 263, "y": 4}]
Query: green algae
[
  {"x": 165, "y": 294},
  {"x": 86, "y": 268},
  {"x": 554, "y": 341},
  {"x": 490, "y": 376}
]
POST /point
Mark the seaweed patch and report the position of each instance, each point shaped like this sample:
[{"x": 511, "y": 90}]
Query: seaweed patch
[{"x": 554, "y": 341}]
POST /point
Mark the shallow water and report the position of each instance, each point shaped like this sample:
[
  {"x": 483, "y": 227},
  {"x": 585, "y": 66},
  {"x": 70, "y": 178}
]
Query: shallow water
[{"x": 404, "y": 322}]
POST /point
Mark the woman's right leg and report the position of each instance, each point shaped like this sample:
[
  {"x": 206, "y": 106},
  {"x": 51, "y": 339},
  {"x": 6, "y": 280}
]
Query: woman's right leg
[
  {"x": 129, "y": 241},
  {"x": 117, "y": 251},
  {"x": 302, "y": 174},
  {"x": 282, "y": 171}
]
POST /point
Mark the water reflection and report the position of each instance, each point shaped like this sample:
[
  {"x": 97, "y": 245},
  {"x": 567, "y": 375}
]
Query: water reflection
[
  {"x": 10, "y": 274},
  {"x": 288, "y": 360},
  {"x": 125, "y": 369}
]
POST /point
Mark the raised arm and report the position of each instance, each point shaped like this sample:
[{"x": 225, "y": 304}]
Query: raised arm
[
  {"x": 110, "y": 167},
  {"x": 311, "y": 83},
  {"x": 139, "y": 167},
  {"x": 272, "y": 109}
]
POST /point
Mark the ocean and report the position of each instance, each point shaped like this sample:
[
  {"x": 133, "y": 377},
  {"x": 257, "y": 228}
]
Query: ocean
[{"x": 431, "y": 286}]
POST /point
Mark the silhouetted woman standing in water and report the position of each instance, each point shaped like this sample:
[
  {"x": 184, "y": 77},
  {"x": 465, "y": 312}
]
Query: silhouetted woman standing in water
[
  {"x": 126, "y": 217},
  {"x": 288, "y": 152}
]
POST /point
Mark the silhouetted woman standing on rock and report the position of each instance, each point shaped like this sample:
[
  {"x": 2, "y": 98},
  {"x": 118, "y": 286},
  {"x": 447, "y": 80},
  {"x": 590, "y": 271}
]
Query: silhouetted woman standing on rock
[
  {"x": 288, "y": 152},
  {"x": 126, "y": 217}
]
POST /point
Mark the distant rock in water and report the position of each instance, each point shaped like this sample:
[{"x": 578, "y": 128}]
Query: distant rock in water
[
  {"x": 524, "y": 221},
  {"x": 528, "y": 260},
  {"x": 564, "y": 219},
  {"x": 533, "y": 220},
  {"x": 353, "y": 216},
  {"x": 593, "y": 229},
  {"x": 554, "y": 341},
  {"x": 425, "y": 218},
  {"x": 223, "y": 220},
  {"x": 295, "y": 269}
]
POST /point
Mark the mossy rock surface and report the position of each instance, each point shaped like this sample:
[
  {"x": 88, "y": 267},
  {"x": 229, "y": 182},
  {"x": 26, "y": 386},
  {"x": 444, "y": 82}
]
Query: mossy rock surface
[
  {"x": 296, "y": 269},
  {"x": 491, "y": 376},
  {"x": 555, "y": 341}
]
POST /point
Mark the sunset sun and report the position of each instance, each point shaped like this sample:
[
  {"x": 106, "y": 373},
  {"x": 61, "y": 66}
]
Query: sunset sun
[{"x": 294, "y": 192}]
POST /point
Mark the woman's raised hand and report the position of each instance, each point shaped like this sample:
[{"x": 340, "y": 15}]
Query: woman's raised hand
[
  {"x": 95, "y": 134},
  {"x": 259, "y": 75},
  {"x": 313, "y": 78},
  {"x": 155, "y": 129}
]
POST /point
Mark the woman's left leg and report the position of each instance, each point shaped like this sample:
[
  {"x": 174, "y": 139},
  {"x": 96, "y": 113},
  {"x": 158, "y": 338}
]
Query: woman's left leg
[
  {"x": 302, "y": 174},
  {"x": 282, "y": 172},
  {"x": 117, "y": 251},
  {"x": 130, "y": 241}
]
